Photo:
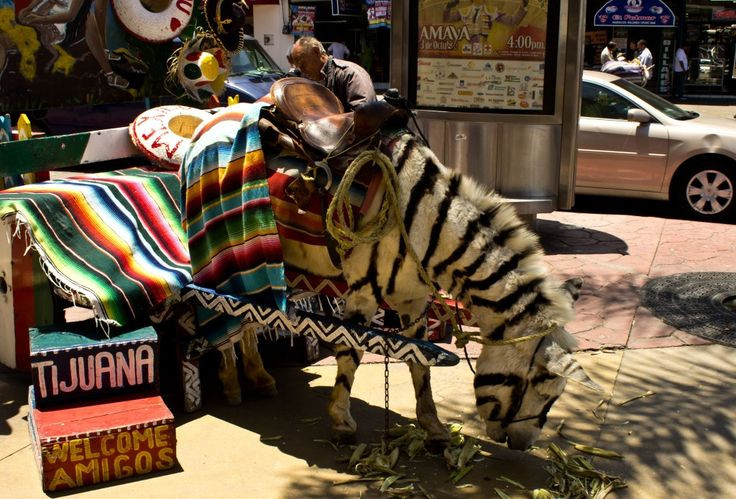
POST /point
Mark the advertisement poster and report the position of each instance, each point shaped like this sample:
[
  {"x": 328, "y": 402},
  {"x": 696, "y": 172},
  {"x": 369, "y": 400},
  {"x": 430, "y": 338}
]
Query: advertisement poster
[
  {"x": 379, "y": 13},
  {"x": 302, "y": 20},
  {"x": 483, "y": 54}
]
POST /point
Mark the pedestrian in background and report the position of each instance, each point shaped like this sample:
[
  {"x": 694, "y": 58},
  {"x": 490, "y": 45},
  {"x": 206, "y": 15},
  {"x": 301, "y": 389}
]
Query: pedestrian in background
[
  {"x": 644, "y": 55},
  {"x": 339, "y": 50},
  {"x": 680, "y": 68},
  {"x": 608, "y": 53}
]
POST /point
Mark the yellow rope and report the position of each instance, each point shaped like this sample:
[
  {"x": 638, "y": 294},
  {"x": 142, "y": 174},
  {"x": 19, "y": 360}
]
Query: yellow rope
[{"x": 377, "y": 227}]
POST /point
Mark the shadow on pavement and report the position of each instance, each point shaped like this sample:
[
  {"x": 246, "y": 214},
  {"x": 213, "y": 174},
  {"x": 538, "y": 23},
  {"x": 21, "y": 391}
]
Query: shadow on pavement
[
  {"x": 563, "y": 239},
  {"x": 624, "y": 206},
  {"x": 297, "y": 423},
  {"x": 13, "y": 396},
  {"x": 682, "y": 434}
]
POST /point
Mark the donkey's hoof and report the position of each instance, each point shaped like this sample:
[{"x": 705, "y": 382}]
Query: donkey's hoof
[
  {"x": 344, "y": 437},
  {"x": 233, "y": 398},
  {"x": 436, "y": 445},
  {"x": 266, "y": 391}
]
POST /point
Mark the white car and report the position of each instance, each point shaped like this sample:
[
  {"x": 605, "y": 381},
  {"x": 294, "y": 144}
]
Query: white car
[{"x": 633, "y": 143}]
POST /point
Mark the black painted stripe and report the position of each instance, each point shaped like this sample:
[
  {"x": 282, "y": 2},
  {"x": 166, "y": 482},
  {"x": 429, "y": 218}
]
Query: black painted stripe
[
  {"x": 420, "y": 332},
  {"x": 424, "y": 185},
  {"x": 545, "y": 411},
  {"x": 536, "y": 350},
  {"x": 357, "y": 318},
  {"x": 517, "y": 397},
  {"x": 497, "y": 334},
  {"x": 391, "y": 286},
  {"x": 495, "y": 379},
  {"x": 355, "y": 286},
  {"x": 543, "y": 377},
  {"x": 439, "y": 223},
  {"x": 471, "y": 230},
  {"x": 479, "y": 401},
  {"x": 471, "y": 269},
  {"x": 373, "y": 273},
  {"x": 509, "y": 300},
  {"x": 505, "y": 234},
  {"x": 530, "y": 309},
  {"x": 502, "y": 271},
  {"x": 371, "y": 277},
  {"x": 343, "y": 380}
]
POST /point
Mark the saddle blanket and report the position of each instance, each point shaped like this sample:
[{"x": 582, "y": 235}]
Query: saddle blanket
[{"x": 111, "y": 240}]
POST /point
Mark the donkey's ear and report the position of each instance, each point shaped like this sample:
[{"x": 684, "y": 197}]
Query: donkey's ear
[
  {"x": 563, "y": 364},
  {"x": 573, "y": 287}
]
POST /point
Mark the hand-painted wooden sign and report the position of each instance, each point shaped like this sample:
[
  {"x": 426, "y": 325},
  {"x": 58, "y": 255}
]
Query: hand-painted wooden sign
[
  {"x": 74, "y": 363},
  {"x": 90, "y": 444}
]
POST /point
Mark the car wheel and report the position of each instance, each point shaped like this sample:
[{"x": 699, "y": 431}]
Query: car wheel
[{"x": 706, "y": 191}]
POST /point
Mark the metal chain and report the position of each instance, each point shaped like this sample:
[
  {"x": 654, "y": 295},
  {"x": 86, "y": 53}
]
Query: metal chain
[
  {"x": 402, "y": 329},
  {"x": 385, "y": 389}
]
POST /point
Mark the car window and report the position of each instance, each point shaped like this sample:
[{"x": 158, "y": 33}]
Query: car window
[
  {"x": 599, "y": 102},
  {"x": 660, "y": 104},
  {"x": 252, "y": 59}
]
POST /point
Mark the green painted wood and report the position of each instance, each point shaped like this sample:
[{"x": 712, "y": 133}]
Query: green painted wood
[
  {"x": 42, "y": 154},
  {"x": 77, "y": 335}
]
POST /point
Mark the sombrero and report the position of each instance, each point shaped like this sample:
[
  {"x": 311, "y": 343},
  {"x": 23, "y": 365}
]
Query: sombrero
[
  {"x": 200, "y": 67},
  {"x": 163, "y": 133},
  {"x": 226, "y": 19},
  {"x": 153, "y": 20}
]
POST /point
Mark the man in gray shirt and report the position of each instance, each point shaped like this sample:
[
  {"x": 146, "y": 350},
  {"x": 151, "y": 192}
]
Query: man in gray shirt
[{"x": 348, "y": 81}]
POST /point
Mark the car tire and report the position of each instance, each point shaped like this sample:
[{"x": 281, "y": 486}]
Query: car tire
[{"x": 706, "y": 191}]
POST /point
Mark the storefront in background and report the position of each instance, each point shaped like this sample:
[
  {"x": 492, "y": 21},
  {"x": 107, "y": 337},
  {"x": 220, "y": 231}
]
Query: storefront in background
[
  {"x": 362, "y": 25},
  {"x": 628, "y": 21},
  {"x": 707, "y": 26},
  {"x": 710, "y": 31}
]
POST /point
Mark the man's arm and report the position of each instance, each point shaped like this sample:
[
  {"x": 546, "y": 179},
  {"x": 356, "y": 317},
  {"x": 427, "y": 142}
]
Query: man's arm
[{"x": 360, "y": 89}]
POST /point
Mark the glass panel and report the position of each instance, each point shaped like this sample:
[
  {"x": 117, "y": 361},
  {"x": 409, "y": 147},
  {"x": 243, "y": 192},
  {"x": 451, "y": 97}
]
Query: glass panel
[
  {"x": 252, "y": 59},
  {"x": 654, "y": 100},
  {"x": 599, "y": 102}
]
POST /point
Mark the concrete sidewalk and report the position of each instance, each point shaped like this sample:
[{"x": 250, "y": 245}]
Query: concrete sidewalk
[{"x": 678, "y": 442}]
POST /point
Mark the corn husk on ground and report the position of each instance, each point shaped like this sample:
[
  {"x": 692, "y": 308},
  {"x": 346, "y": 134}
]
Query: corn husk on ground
[{"x": 571, "y": 476}]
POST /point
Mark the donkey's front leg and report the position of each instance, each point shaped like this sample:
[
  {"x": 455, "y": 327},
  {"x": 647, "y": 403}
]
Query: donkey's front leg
[
  {"x": 358, "y": 309},
  {"x": 437, "y": 434},
  {"x": 259, "y": 381},
  {"x": 228, "y": 374}
]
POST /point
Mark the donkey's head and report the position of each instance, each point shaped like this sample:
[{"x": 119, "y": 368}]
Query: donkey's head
[{"x": 516, "y": 385}]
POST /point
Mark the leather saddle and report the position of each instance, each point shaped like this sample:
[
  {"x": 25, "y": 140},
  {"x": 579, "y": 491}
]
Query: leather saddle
[{"x": 313, "y": 116}]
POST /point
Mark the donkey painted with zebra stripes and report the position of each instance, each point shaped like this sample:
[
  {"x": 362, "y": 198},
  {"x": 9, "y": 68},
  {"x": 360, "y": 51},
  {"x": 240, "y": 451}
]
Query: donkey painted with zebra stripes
[{"x": 473, "y": 245}]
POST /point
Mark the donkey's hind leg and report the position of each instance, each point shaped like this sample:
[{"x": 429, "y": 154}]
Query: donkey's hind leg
[{"x": 259, "y": 381}]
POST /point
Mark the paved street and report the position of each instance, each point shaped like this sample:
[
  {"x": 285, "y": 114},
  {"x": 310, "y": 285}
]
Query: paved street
[{"x": 677, "y": 442}]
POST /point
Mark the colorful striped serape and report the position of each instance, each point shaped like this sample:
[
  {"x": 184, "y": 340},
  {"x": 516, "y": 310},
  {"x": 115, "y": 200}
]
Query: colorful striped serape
[
  {"x": 226, "y": 213},
  {"x": 114, "y": 238}
]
